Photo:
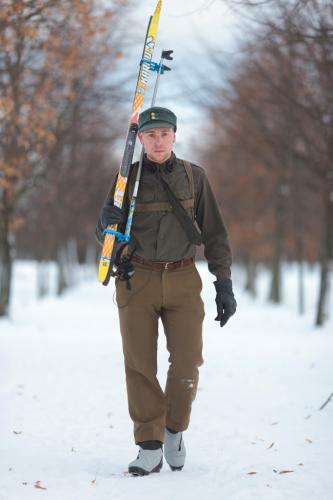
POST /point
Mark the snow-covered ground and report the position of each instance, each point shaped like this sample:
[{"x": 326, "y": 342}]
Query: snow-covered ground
[{"x": 256, "y": 432}]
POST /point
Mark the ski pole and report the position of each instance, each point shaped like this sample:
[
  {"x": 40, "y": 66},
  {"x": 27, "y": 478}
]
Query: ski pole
[{"x": 160, "y": 68}]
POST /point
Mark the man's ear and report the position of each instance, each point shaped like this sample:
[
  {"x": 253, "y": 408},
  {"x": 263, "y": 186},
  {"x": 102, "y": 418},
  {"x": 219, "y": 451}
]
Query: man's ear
[
  {"x": 174, "y": 138},
  {"x": 140, "y": 137}
]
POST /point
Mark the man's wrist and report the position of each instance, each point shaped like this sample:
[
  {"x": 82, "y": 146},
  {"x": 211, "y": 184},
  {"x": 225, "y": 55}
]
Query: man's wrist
[
  {"x": 224, "y": 273},
  {"x": 223, "y": 285}
]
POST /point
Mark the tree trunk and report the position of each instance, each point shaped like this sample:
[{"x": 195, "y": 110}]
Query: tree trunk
[
  {"x": 73, "y": 262},
  {"x": 275, "y": 292},
  {"x": 301, "y": 300},
  {"x": 300, "y": 259},
  {"x": 43, "y": 279},
  {"x": 6, "y": 266},
  {"x": 323, "y": 292},
  {"x": 91, "y": 261},
  {"x": 62, "y": 283},
  {"x": 326, "y": 257},
  {"x": 250, "y": 285},
  {"x": 91, "y": 255}
]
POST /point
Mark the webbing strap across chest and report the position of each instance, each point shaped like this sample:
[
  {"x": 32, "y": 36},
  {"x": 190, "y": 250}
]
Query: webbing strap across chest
[
  {"x": 165, "y": 206},
  {"x": 161, "y": 206}
]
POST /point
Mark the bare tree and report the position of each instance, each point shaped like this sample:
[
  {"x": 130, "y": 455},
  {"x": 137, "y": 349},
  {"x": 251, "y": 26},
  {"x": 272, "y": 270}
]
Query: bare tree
[
  {"x": 276, "y": 111},
  {"x": 50, "y": 52}
]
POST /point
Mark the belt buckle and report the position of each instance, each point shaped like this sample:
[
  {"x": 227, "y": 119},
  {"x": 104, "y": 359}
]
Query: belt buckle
[{"x": 166, "y": 265}]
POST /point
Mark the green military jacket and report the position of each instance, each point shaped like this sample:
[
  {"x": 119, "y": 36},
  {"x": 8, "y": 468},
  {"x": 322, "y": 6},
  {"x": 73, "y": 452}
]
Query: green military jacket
[{"x": 156, "y": 232}]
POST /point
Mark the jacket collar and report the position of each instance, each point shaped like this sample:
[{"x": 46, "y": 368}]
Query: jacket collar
[{"x": 167, "y": 166}]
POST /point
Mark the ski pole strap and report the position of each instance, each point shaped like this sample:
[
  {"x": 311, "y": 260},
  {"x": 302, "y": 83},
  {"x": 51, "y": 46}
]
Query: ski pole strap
[
  {"x": 153, "y": 66},
  {"x": 118, "y": 235}
]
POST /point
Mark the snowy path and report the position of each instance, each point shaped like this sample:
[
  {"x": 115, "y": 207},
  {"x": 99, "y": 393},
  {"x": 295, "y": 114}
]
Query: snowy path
[{"x": 64, "y": 419}]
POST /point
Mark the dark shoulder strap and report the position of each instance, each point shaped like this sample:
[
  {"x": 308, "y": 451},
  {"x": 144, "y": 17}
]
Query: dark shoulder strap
[
  {"x": 189, "y": 173},
  {"x": 184, "y": 219}
]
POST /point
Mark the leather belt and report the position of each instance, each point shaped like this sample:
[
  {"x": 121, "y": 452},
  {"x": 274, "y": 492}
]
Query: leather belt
[{"x": 168, "y": 266}]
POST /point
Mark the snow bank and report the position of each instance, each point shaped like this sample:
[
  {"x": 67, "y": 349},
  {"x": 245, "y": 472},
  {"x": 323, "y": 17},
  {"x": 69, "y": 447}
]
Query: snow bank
[{"x": 256, "y": 430}]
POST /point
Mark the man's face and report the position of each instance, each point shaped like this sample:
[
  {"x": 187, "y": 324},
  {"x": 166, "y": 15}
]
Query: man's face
[{"x": 158, "y": 143}]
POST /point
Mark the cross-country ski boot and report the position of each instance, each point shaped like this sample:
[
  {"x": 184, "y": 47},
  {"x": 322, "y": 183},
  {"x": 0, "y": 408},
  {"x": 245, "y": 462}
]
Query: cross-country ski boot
[
  {"x": 174, "y": 450},
  {"x": 147, "y": 461}
]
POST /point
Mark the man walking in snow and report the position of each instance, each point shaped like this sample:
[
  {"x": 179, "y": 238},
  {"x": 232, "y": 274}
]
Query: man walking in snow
[{"x": 174, "y": 200}]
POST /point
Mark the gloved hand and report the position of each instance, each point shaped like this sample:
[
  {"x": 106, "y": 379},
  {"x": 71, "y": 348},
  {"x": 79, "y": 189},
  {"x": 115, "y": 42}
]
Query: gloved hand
[
  {"x": 225, "y": 300},
  {"x": 111, "y": 215},
  {"x": 124, "y": 267}
]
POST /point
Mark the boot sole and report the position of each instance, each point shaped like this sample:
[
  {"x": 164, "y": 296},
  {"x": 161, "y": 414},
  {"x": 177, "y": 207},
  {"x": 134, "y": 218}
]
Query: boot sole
[
  {"x": 176, "y": 468},
  {"x": 138, "y": 471}
]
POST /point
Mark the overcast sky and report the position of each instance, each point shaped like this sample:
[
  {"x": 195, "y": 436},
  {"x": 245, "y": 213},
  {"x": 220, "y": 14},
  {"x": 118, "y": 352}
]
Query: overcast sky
[{"x": 186, "y": 26}]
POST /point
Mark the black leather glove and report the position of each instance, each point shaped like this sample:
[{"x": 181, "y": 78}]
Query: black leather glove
[
  {"x": 124, "y": 267},
  {"x": 225, "y": 300},
  {"x": 111, "y": 215}
]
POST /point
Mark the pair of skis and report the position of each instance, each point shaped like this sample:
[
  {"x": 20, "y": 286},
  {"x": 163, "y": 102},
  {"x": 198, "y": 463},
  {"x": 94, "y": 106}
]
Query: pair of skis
[{"x": 111, "y": 235}]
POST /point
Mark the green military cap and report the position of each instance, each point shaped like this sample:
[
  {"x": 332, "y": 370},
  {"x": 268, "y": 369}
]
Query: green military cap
[{"x": 157, "y": 117}]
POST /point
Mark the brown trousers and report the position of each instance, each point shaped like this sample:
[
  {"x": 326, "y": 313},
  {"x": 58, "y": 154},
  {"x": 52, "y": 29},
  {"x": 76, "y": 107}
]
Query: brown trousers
[{"x": 174, "y": 297}]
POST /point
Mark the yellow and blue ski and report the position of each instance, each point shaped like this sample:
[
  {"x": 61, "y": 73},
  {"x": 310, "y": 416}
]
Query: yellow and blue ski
[{"x": 111, "y": 235}]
